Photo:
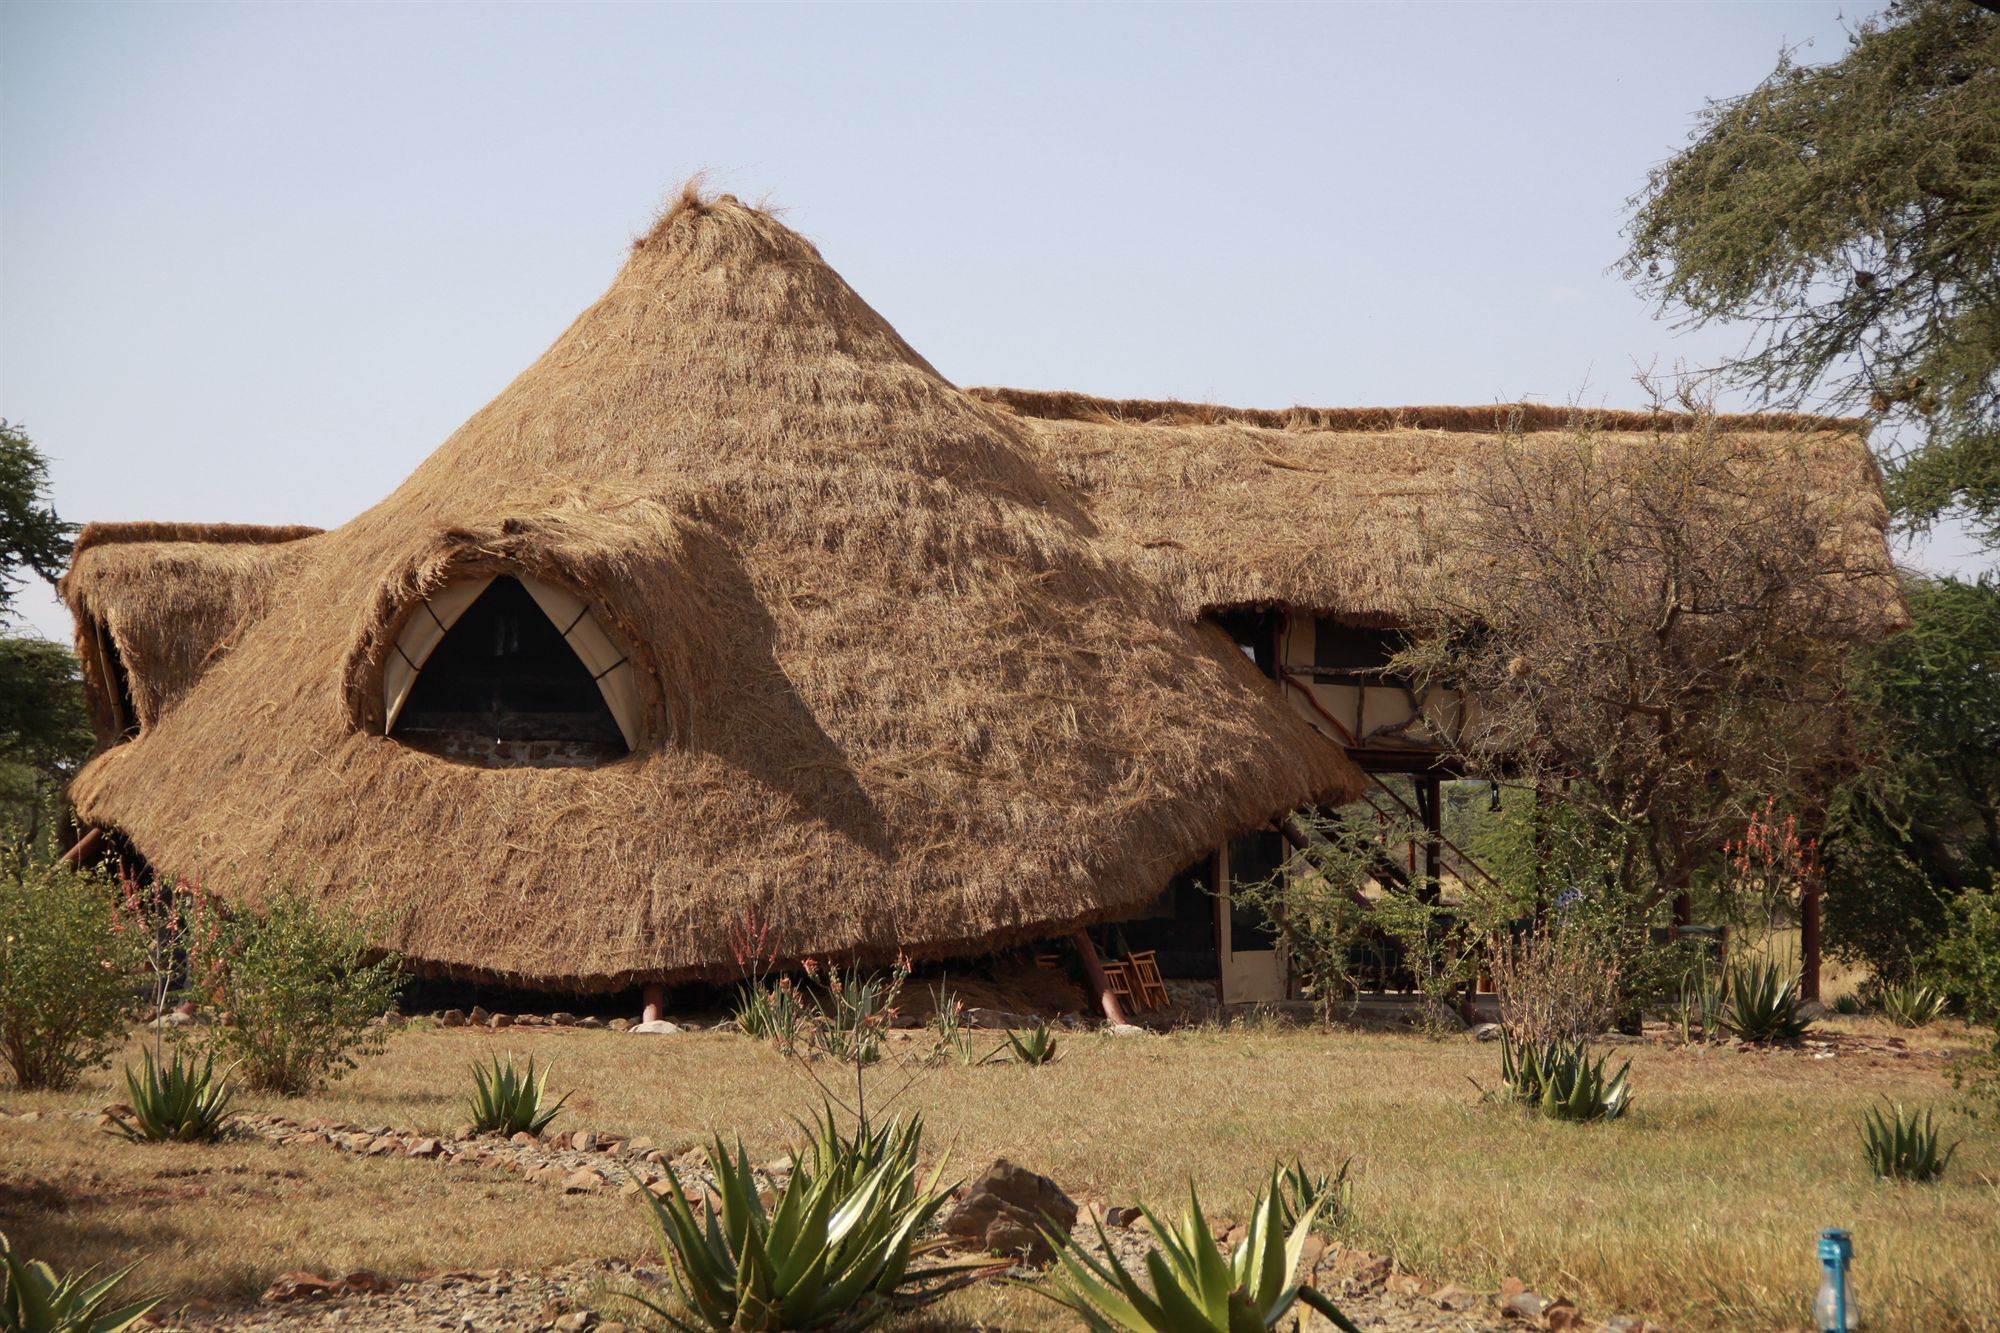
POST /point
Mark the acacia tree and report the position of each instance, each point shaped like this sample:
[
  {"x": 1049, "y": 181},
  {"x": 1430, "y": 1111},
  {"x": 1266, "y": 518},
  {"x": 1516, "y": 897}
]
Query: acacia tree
[
  {"x": 1851, "y": 212},
  {"x": 44, "y": 730},
  {"x": 1653, "y": 634}
]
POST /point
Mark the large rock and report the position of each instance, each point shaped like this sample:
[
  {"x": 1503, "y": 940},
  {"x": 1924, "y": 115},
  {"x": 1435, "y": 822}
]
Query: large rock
[{"x": 1005, "y": 1210}]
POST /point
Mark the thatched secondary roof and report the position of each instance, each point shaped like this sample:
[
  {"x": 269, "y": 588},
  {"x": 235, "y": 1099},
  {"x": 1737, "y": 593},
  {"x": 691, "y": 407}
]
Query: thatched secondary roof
[
  {"x": 897, "y": 694},
  {"x": 1328, "y": 509}
]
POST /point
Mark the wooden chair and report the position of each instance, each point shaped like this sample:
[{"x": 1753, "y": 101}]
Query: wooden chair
[
  {"x": 1119, "y": 977},
  {"x": 1146, "y": 980}
]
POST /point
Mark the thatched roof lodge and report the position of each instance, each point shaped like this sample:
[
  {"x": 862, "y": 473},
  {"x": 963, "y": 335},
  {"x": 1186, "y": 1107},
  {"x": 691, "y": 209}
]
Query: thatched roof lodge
[{"x": 730, "y": 603}]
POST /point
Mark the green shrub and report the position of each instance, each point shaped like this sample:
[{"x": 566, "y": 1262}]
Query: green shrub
[
  {"x": 34, "y": 1300},
  {"x": 302, "y": 990},
  {"x": 833, "y": 1251},
  {"x": 1763, "y": 1004},
  {"x": 1901, "y": 1147},
  {"x": 1966, "y": 963},
  {"x": 1559, "y": 1080},
  {"x": 179, "y": 1102},
  {"x": 66, "y": 973},
  {"x": 507, "y": 1101},
  {"x": 1848, "y": 1005},
  {"x": 1194, "y": 1287},
  {"x": 1912, "y": 1004},
  {"x": 1036, "y": 1046}
]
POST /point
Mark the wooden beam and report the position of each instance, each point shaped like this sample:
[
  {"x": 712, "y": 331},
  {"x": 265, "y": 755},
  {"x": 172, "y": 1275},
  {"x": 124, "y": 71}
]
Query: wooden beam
[
  {"x": 1093, "y": 968},
  {"x": 655, "y": 1003},
  {"x": 85, "y": 845}
]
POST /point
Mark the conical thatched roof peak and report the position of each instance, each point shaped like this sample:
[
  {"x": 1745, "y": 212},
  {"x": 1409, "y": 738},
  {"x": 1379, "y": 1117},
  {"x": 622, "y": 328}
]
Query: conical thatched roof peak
[{"x": 892, "y": 693}]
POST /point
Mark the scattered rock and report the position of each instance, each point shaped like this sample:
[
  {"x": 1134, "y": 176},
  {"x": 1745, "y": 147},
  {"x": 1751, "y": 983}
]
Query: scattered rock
[
  {"x": 641, "y": 1145},
  {"x": 479, "y": 1015},
  {"x": 562, "y": 1018},
  {"x": 1403, "y": 1284},
  {"x": 575, "y": 1322},
  {"x": 582, "y": 1182},
  {"x": 1486, "y": 1032},
  {"x": 1004, "y": 1212},
  {"x": 1526, "y": 1305},
  {"x": 1451, "y": 1296},
  {"x": 525, "y": 1139},
  {"x": 498, "y": 1021},
  {"x": 1124, "y": 1030},
  {"x": 998, "y": 1018},
  {"x": 451, "y": 1018},
  {"x": 590, "y": 1022},
  {"x": 1122, "y": 1217},
  {"x": 620, "y": 1024},
  {"x": 658, "y": 1027},
  {"x": 426, "y": 1148},
  {"x": 299, "y": 1285}
]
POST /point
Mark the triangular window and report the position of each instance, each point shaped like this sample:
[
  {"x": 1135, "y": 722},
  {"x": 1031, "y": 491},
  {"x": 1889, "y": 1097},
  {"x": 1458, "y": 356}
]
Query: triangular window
[{"x": 510, "y": 671}]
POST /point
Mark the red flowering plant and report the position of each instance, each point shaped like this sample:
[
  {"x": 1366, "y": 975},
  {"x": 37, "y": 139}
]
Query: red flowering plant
[{"x": 1766, "y": 871}]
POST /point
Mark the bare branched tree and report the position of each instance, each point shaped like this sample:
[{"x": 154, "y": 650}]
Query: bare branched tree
[{"x": 1654, "y": 631}]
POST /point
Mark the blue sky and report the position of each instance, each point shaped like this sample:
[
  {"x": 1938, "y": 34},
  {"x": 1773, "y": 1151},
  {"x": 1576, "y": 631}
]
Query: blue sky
[{"x": 257, "y": 260}]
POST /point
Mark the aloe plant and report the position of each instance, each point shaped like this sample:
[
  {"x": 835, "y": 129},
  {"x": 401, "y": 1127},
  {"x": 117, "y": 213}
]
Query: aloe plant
[
  {"x": 1703, "y": 996},
  {"x": 1901, "y": 1147},
  {"x": 34, "y": 1300},
  {"x": 1194, "y": 1287},
  {"x": 1302, "y": 1191},
  {"x": 179, "y": 1102},
  {"x": 1036, "y": 1046},
  {"x": 1764, "y": 1003},
  {"x": 833, "y": 1251},
  {"x": 1912, "y": 1004},
  {"x": 1560, "y": 1080},
  {"x": 844, "y": 1160},
  {"x": 506, "y": 1100}
]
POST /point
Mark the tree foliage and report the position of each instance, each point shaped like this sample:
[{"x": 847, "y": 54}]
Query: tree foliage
[
  {"x": 1851, "y": 211},
  {"x": 44, "y": 731},
  {"x": 32, "y": 537},
  {"x": 1921, "y": 826}
]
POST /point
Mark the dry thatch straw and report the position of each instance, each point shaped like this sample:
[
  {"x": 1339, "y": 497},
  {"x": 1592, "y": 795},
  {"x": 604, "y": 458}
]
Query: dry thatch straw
[
  {"x": 1344, "y": 511},
  {"x": 898, "y": 695}
]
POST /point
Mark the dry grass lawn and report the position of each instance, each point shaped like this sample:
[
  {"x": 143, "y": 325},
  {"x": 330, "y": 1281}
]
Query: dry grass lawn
[{"x": 1701, "y": 1206}]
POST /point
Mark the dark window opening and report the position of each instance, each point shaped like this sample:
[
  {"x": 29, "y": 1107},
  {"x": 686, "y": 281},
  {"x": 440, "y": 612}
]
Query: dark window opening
[
  {"x": 1256, "y": 633},
  {"x": 1179, "y": 925},
  {"x": 124, "y": 713},
  {"x": 1253, "y": 859},
  {"x": 503, "y": 687},
  {"x": 1355, "y": 648}
]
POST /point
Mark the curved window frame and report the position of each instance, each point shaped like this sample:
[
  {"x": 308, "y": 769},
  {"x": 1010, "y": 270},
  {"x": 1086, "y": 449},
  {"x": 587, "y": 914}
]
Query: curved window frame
[{"x": 610, "y": 666}]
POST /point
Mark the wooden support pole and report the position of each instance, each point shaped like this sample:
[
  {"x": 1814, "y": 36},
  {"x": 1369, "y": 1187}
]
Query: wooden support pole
[
  {"x": 656, "y": 1003},
  {"x": 1094, "y": 969},
  {"x": 85, "y": 845},
  {"x": 1809, "y": 939}
]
